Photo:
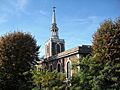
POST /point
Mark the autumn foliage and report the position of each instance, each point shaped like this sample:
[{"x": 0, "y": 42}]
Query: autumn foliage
[
  {"x": 106, "y": 41},
  {"x": 17, "y": 52}
]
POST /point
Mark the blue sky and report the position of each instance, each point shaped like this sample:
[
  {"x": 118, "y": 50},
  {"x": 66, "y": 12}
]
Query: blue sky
[{"x": 77, "y": 19}]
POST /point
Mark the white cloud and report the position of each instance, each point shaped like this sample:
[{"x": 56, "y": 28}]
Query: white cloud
[
  {"x": 12, "y": 7},
  {"x": 89, "y": 19},
  {"x": 21, "y": 4},
  {"x": 79, "y": 20},
  {"x": 42, "y": 12},
  {"x": 3, "y": 19},
  {"x": 17, "y": 4}
]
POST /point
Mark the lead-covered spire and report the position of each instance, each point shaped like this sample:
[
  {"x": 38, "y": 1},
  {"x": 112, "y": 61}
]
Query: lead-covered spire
[
  {"x": 54, "y": 28},
  {"x": 53, "y": 16}
]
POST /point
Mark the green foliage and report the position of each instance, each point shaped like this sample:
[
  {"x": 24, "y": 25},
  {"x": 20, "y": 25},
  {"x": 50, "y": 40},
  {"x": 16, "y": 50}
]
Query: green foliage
[
  {"x": 106, "y": 41},
  {"x": 101, "y": 71},
  {"x": 106, "y": 46},
  {"x": 94, "y": 75},
  {"x": 85, "y": 78},
  {"x": 48, "y": 80},
  {"x": 17, "y": 52}
]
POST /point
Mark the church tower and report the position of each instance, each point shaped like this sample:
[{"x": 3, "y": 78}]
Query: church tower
[{"x": 54, "y": 45}]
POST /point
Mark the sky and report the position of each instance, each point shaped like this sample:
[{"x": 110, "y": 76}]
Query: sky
[{"x": 77, "y": 20}]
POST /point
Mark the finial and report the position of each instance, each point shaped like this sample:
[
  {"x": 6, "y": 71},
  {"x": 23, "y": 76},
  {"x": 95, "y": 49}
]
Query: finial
[{"x": 54, "y": 8}]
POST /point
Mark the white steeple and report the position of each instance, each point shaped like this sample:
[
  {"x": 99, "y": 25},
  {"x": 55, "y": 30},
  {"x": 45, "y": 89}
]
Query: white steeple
[
  {"x": 53, "y": 16},
  {"x": 54, "y": 44},
  {"x": 54, "y": 28}
]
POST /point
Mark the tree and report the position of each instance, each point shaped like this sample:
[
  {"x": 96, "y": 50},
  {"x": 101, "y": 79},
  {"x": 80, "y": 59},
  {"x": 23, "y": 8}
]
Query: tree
[
  {"x": 101, "y": 71},
  {"x": 43, "y": 79},
  {"x": 106, "y": 47},
  {"x": 106, "y": 41},
  {"x": 87, "y": 77},
  {"x": 17, "y": 52}
]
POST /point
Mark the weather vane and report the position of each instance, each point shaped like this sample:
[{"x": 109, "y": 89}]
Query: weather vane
[{"x": 54, "y": 8}]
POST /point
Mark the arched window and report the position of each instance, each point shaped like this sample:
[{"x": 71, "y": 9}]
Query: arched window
[
  {"x": 58, "y": 49},
  {"x": 51, "y": 68},
  {"x": 68, "y": 70},
  {"x": 58, "y": 68}
]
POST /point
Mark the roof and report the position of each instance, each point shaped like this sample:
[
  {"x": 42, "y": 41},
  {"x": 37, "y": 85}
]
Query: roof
[{"x": 84, "y": 49}]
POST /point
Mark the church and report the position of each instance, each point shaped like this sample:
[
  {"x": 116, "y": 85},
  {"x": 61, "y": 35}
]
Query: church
[{"x": 56, "y": 57}]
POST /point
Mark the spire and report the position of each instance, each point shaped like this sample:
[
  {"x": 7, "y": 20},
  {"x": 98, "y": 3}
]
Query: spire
[
  {"x": 54, "y": 28},
  {"x": 53, "y": 17}
]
